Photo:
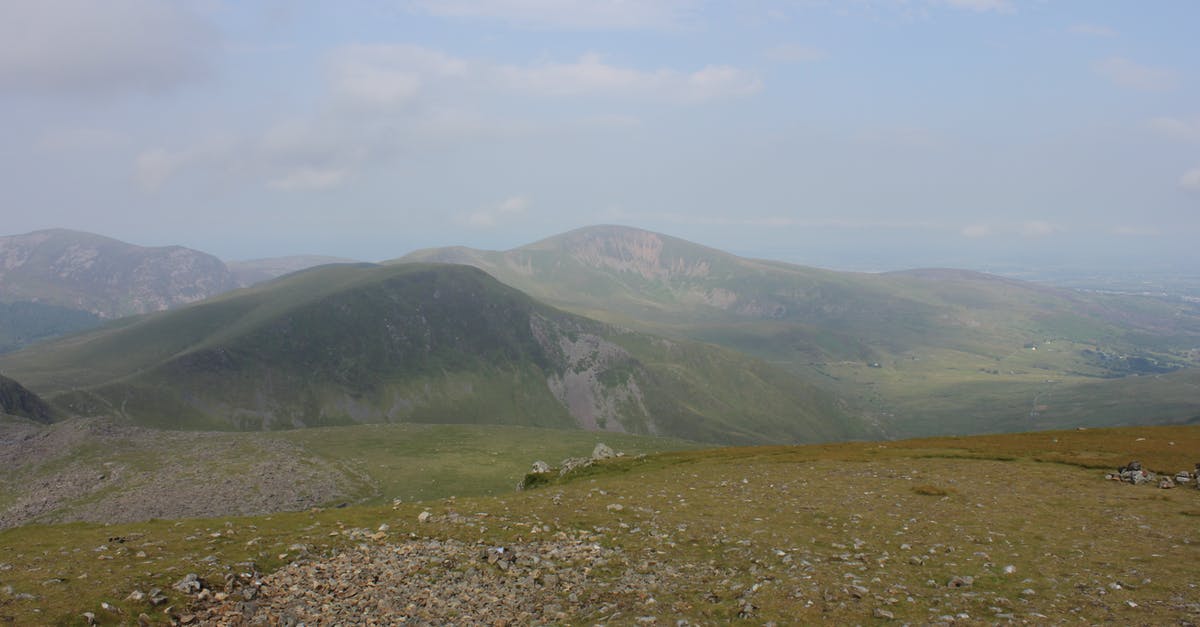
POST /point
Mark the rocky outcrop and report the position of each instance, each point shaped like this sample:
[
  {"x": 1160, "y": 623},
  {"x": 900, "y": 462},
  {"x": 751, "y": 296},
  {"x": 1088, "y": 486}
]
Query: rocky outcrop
[
  {"x": 105, "y": 276},
  {"x": 15, "y": 400}
]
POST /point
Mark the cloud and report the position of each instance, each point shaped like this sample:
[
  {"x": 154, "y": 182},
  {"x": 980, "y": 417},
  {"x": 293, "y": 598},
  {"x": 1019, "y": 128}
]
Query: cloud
[
  {"x": 497, "y": 215},
  {"x": 567, "y": 14},
  {"x": 1038, "y": 228},
  {"x": 981, "y": 6},
  {"x": 795, "y": 53},
  {"x": 72, "y": 47},
  {"x": 975, "y": 231},
  {"x": 1191, "y": 179},
  {"x": 1176, "y": 128},
  {"x": 387, "y": 77},
  {"x": 1125, "y": 73},
  {"x": 308, "y": 178},
  {"x": 590, "y": 75},
  {"x": 381, "y": 100},
  {"x": 1093, "y": 30}
]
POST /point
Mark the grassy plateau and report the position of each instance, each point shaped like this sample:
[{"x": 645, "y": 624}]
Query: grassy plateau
[{"x": 969, "y": 530}]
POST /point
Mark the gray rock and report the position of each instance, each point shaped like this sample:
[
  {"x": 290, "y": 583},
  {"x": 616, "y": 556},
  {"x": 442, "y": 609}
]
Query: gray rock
[
  {"x": 882, "y": 613},
  {"x": 1183, "y": 476},
  {"x": 603, "y": 451},
  {"x": 190, "y": 584},
  {"x": 540, "y": 467},
  {"x": 573, "y": 463}
]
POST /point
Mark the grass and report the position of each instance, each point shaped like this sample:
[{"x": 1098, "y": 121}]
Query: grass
[{"x": 791, "y": 530}]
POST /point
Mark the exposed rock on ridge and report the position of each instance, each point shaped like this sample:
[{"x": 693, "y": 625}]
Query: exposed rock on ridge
[{"x": 105, "y": 276}]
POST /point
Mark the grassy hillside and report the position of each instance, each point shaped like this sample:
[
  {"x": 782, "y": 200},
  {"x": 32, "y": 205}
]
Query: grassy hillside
[
  {"x": 925, "y": 351},
  {"x": 417, "y": 343},
  {"x": 996, "y": 529},
  {"x": 100, "y": 471}
]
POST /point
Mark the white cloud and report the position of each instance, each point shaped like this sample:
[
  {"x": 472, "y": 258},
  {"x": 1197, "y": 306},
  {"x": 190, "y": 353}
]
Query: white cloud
[
  {"x": 795, "y": 53},
  {"x": 1094, "y": 30},
  {"x": 497, "y": 215},
  {"x": 1000, "y": 6},
  {"x": 1125, "y": 73},
  {"x": 975, "y": 231},
  {"x": 383, "y": 99},
  {"x": 590, "y": 75},
  {"x": 567, "y": 14},
  {"x": 1177, "y": 128},
  {"x": 1191, "y": 179},
  {"x": 154, "y": 167},
  {"x": 307, "y": 178},
  {"x": 116, "y": 46},
  {"x": 1038, "y": 228},
  {"x": 387, "y": 77}
]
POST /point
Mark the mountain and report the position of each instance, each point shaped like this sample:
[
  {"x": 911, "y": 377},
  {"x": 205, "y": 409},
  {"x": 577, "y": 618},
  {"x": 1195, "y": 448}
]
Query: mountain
[
  {"x": 15, "y": 400},
  {"x": 253, "y": 271},
  {"x": 417, "y": 343},
  {"x": 104, "y": 276},
  {"x": 920, "y": 349}
]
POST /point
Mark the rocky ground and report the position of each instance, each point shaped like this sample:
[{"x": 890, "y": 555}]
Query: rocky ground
[
  {"x": 782, "y": 536},
  {"x": 932, "y": 542},
  {"x": 96, "y": 470}
]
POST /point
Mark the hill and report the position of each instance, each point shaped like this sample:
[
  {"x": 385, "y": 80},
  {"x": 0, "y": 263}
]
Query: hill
[
  {"x": 918, "y": 349},
  {"x": 15, "y": 400},
  {"x": 254, "y": 271},
  {"x": 104, "y": 276},
  {"x": 416, "y": 343},
  {"x": 998, "y": 529}
]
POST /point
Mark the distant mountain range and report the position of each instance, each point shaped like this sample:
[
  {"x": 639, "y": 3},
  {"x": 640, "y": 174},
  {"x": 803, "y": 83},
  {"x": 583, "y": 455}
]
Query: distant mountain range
[
  {"x": 917, "y": 352},
  {"x": 58, "y": 281},
  {"x": 417, "y": 343},
  {"x": 104, "y": 276},
  {"x": 898, "y": 342}
]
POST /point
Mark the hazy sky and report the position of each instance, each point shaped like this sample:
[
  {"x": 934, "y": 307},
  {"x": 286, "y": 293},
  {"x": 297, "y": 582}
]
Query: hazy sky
[{"x": 900, "y": 132}]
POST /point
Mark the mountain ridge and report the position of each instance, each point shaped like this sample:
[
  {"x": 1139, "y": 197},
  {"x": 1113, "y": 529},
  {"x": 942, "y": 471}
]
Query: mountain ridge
[{"x": 417, "y": 343}]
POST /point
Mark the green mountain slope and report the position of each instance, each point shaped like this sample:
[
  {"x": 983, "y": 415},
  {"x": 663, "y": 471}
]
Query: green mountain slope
[
  {"x": 908, "y": 346},
  {"x": 416, "y": 343}
]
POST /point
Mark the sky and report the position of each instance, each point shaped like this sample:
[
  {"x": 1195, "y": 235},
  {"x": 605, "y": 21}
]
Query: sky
[{"x": 856, "y": 133}]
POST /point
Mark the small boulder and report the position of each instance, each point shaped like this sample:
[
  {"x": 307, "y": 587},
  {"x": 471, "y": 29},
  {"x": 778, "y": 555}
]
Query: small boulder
[
  {"x": 1165, "y": 483},
  {"x": 540, "y": 467},
  {"x": 960, "y": 582},
  {"x": 424, "y": 517},
  {"x": 603, "y": 451},
  {"x": 190, "y": 584}
]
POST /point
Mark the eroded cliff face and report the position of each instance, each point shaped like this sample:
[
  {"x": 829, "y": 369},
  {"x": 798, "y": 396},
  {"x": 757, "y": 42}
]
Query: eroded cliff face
[
  {"x": 640, "y": 252},
  {"x": 596, "y": 382},
  {"x": 104, "y": 276}
]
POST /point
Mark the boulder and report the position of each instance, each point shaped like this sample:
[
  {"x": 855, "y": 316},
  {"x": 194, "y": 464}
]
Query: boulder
[
  {"x": 540, "y": 467},
  {"x": 603, "y": 451}
]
